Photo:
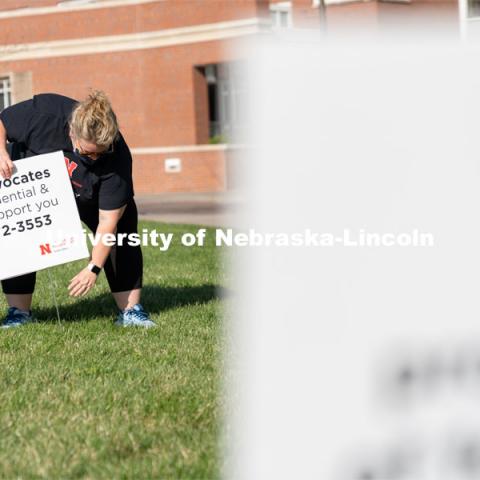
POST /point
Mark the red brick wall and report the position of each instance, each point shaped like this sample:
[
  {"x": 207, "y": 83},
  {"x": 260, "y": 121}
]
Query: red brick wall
[
  {"x": 13, "y": 4},
  {"x": 122, "y": 20},
  {"x": 304, "y": 15},
  {"x": 158, "y": 95},
  {"x": 433, "y": 13},
  {"x": 201, "y": 172},
  {"x": 371, "y": 14},
  {"x": 348, "y": 16},
  {"x": 387, "y": 16},
  {"x": 152, "y": 90}
]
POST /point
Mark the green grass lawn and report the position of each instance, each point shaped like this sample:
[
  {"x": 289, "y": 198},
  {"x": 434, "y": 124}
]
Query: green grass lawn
[{"x": 85, "y": 399}]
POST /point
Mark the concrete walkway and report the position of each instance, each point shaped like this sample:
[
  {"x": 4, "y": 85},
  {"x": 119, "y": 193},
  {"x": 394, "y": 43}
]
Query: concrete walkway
[{"x": 216, "y": 209}]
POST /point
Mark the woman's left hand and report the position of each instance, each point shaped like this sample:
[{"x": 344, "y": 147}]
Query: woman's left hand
[{"x": 81, "y": 284}]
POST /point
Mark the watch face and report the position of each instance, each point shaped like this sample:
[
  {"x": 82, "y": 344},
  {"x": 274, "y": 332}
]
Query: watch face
[{"x": 93, "y": 268}]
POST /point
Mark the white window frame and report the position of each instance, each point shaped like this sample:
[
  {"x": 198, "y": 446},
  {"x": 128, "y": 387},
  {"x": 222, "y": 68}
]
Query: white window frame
[
  {"x": 6, "y": 90},
  {"x": 276, "y": 10},
  {"x": 469, "y": 23},
  {"x": 466, "y": 10}
]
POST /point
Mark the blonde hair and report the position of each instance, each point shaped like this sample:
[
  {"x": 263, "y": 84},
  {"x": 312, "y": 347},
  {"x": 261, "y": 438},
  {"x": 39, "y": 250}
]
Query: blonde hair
[{"x": 93, "y": 120}]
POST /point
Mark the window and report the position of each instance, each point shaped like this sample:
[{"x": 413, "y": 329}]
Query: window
[
  {"x": 226, "y": 99},
  {"x": 5, "y": 93},
  {"x": 473, "y": 8},
  {"x": 213, "y": 115},
  {"x": 281, "y": 14}
]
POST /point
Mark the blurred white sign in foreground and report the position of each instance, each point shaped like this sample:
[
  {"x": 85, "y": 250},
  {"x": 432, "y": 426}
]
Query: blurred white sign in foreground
[{"x": 360, "y": 363}]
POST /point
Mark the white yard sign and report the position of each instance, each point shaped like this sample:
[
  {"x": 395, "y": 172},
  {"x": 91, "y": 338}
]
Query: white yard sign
[{"x": 39, "y": 222}]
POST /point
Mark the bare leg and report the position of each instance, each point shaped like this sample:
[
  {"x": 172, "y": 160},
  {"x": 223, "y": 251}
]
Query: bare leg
[
  {"x": 127, "y": 299},
  {"x": 22, "y": 301}
]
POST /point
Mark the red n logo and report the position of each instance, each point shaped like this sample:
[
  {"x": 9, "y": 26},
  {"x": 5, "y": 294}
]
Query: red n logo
[
  {"x": 71, "y": 166},
  {"x": 45, "y": 248}
]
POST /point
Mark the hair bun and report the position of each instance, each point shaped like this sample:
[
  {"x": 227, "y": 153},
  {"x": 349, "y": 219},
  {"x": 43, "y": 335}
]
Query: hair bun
[{"x": 93, "y": 119}]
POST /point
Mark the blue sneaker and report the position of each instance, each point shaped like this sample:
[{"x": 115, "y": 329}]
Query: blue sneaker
[
  {"x": 134, "y": 317},
  {"x": 16, "y": 318}
]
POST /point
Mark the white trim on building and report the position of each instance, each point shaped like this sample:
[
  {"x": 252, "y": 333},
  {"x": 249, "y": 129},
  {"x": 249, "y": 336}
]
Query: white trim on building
[
  {"x": 132, "y": 41},
  {"x": 184, "y": 149}
]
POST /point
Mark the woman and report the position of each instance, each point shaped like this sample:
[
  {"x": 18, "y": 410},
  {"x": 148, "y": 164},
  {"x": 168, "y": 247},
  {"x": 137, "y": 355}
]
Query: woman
[{"x": 99, "y": 164}]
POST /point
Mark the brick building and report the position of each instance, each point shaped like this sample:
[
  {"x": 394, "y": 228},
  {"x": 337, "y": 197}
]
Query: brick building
[{"x": 168, "y": 67}]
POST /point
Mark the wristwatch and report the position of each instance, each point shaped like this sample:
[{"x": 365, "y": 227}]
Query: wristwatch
[{"x": 93, "y": 268}]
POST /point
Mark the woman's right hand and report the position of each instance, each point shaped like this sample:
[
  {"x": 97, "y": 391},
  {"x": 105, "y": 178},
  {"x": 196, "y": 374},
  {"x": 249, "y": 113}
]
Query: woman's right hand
[{"x": 6, "y": 165}]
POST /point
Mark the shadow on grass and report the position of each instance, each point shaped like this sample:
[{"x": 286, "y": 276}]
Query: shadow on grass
[{"x": 155, "y": 299}]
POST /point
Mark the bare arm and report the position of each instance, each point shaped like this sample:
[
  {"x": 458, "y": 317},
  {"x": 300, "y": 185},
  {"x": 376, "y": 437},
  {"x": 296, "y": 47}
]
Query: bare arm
[
  {"x": 107, "y": 223},
  {"x": 6, "y": 164}
]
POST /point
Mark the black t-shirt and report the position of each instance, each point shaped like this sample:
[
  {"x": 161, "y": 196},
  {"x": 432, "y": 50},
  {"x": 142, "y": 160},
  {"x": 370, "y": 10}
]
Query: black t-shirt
[{"x": 41, "y": 126}]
